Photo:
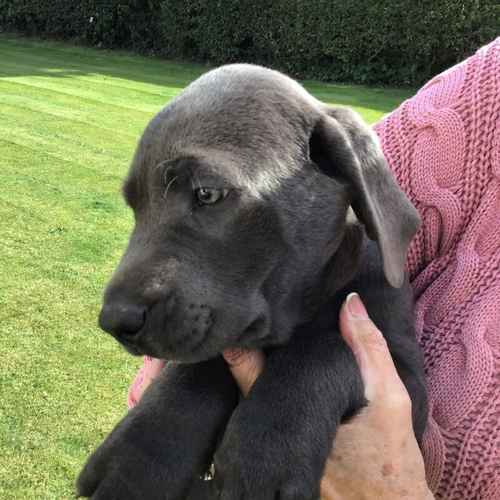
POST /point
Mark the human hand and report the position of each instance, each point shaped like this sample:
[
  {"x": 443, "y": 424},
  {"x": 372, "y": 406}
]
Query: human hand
[{"x": 375, "y": 454}]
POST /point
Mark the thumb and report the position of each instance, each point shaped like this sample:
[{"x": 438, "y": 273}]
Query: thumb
[
  {"x": 370, "y": 349},
  {"x": 245, "y": 365}
]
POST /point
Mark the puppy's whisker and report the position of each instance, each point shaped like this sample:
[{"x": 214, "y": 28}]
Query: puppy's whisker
[
  {"x": 164, "y": 175},
  {"x": 161, "y": 164},
  {"x": 164, "y": 195}
]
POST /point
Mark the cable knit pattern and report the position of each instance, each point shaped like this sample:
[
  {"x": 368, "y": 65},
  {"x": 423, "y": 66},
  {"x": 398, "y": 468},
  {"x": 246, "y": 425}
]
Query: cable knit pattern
[{"x": 444, "y": 148}]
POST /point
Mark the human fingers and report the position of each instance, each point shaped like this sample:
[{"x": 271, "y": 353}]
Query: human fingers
[
  {"x": 380, "y": 377},
  {"x": 245, "y": 365}
]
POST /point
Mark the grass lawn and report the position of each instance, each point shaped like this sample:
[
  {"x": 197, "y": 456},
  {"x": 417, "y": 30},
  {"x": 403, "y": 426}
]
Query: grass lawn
[{"x": 69, "y": 121}]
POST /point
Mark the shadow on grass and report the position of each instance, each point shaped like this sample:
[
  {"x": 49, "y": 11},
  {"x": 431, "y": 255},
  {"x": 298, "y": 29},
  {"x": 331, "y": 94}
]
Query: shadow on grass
[{"x": 31, "y": 57}]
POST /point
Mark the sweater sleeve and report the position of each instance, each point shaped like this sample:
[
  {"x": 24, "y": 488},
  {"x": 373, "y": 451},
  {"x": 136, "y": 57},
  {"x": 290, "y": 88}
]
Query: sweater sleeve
[{"x": 443, "y": 146}]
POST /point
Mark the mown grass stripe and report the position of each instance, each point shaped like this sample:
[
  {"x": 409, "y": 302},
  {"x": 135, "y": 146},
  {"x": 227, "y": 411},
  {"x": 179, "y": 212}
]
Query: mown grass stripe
[
  {"x": 11, "y": 66},
  {"x": 121, "y": 60},
  {"x": 34, "y": 143},
  {"x": 129, "y": 66},
  {"x": 75, "y": 89},
  {"x": 87, "y": 83},
  {"x": 64, "y": 135},
  {"x": 86, "y": 111}
]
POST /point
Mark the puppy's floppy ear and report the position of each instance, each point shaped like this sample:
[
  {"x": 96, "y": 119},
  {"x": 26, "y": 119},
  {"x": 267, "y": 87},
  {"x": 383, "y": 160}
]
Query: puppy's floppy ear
[{"x": 343, "y": 147}]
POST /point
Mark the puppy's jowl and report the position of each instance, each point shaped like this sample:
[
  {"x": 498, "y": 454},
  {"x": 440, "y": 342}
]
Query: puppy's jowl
[{"x": 257, "y": 209}]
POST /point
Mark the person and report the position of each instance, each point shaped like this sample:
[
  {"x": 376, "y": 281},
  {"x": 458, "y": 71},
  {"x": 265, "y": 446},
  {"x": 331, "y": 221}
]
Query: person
[{"x": 443, "y": 146}]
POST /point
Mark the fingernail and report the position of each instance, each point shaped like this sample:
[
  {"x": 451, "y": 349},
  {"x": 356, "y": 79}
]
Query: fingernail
[{"x": 355, "y": 307}]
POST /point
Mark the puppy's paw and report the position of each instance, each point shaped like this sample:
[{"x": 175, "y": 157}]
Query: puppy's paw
[
  {"x": 134, "y": 462},
  {"x": 259, "y": 461}
]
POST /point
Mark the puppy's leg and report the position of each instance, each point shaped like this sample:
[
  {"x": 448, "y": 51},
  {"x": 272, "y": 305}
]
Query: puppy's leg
[
  {"x": 278, "y": 439},
  {"x": 167, "y": 439}
]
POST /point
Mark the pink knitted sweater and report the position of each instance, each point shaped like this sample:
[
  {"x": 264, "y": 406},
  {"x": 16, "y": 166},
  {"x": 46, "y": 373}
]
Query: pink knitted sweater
[{"x": 444, "y": 148}]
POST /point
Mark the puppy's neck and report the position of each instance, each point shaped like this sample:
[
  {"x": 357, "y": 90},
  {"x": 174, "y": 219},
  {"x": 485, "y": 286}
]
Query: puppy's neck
[
  {"x": 342, "y": 268},
  {"x": 344, "y": 265},
  {"x": 317, "y": 301}
]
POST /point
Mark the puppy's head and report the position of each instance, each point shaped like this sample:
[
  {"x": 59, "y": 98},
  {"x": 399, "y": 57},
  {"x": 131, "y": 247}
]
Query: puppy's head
[{"x": 244, "y": 190}]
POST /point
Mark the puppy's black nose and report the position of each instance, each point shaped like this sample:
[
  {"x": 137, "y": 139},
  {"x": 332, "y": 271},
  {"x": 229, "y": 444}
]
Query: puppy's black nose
[{"x": 122, "y": 318}]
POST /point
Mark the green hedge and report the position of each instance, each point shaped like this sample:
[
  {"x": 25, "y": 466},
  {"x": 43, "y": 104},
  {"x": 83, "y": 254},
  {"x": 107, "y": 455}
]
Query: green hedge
[
  {"x": 363, "y": 41},
  {"x": 106, "y": 23}
]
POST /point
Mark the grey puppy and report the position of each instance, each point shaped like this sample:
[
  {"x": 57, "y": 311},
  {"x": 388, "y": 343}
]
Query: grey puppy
[{"x": 252, "y": 203}]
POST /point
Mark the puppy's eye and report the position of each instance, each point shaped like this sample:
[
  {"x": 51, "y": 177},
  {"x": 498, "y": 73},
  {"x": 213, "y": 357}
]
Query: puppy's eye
[{"x": 210, "y": 196}]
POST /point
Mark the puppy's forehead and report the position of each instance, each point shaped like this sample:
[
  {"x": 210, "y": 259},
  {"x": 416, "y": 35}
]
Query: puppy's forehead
[
  {"x": 242, "y": 109},
  {"x": 241, "y": 99}
]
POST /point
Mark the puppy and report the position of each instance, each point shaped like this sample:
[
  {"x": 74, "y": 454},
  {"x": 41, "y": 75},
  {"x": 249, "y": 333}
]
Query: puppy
[{"x": 257, "y": 209}]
